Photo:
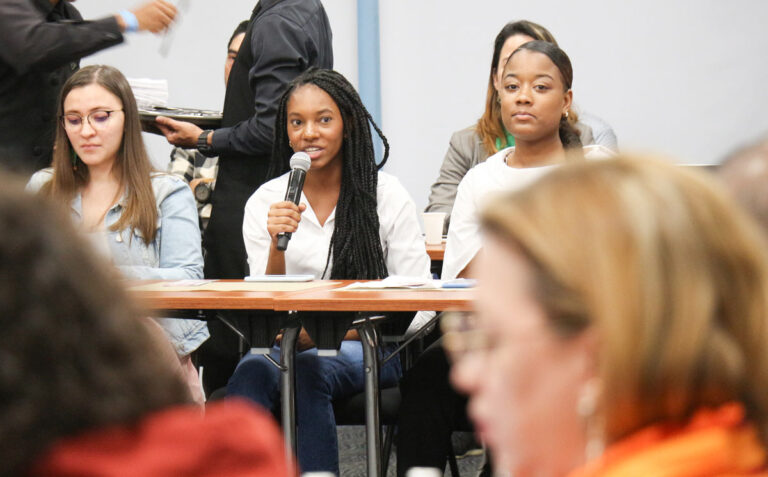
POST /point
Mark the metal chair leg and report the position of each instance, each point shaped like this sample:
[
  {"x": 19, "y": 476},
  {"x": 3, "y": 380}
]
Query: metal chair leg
[
  {"x": 288, "y": 386},
  {"x": 388, "y": 438},
  {"x": 369, "y": 339},
  {"x": 452, "y": 464}
]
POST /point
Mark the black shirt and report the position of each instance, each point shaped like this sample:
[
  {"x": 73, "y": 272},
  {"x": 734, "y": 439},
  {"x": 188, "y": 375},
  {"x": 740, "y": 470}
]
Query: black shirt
[{"x": 285, "y": 37}]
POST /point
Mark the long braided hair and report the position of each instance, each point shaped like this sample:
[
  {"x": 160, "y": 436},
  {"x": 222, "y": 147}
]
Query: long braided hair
[{"x": 355, "y": 247}]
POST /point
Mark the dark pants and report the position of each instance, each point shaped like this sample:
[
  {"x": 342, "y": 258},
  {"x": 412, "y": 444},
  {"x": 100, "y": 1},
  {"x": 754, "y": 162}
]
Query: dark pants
[
  {"x": 319, "y": 380},
  {"x": 429, "y": 412},
  {"x": 225, "y": 257}
]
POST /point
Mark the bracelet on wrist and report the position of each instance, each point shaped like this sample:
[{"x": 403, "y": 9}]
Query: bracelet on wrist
[{"x": 131, "y": 22}]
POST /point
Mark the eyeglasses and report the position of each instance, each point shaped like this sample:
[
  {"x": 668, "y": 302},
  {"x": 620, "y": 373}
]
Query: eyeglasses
[
  {"x": 97, "y": 119},
  {"x": 462, "y": 336}
]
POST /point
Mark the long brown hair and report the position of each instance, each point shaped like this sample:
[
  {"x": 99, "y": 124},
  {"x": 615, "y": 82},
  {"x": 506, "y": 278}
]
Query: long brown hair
[
  {"x": 132, "y": 166},
  {"x": 489, "y": 127},
  {"x": 665, "y": 268}
]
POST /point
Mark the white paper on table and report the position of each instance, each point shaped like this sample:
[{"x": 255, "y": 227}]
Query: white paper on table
[{"x": 396, "y": 281}]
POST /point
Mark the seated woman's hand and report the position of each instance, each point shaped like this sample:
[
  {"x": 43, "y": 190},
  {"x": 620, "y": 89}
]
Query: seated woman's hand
[
  {"x": 283, "y": 217},
  {"x": 303, "y": 341}
]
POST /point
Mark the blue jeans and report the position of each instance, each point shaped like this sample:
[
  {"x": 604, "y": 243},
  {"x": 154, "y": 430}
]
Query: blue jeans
[{"x": 319, "y": 380}]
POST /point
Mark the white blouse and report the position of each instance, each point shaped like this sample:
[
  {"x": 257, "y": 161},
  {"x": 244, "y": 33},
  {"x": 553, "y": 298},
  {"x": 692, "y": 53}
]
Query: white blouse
[
  {"x": 307, "y": 253},
  {"x": 482, "y": 183}
]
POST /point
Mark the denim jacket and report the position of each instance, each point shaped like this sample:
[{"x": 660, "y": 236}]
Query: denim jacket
[{"x": 174, "y": 254}]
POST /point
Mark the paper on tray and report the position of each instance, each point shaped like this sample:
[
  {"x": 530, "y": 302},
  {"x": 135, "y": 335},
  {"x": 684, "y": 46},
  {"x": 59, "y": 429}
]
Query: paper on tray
[{"x": 149, "y": 92}]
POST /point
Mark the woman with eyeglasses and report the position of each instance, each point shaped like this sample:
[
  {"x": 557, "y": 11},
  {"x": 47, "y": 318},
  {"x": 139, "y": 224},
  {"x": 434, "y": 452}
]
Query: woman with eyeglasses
[
  {"x": 620, "y": 328},
  {"x": 144, "y": 221}
]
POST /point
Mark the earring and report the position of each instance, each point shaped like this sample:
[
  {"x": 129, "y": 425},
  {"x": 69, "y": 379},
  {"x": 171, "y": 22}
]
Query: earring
[
  {"x": 290, "y": 144},
  {"x": 587, "y": 408},
  {"x": 566, "y": 114},
  {"x": 74, "y": 160},
  {"x": 498, "y": 99}
]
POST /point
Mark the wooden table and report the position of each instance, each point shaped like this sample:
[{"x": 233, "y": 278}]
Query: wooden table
[
  {"x": 326, "y": 298},
  {"x": 209, "y": 300},
  {"x": 436, "y": 252},
  {"x": 384, "y": 300},
  {"x": 333, "y": 299}
]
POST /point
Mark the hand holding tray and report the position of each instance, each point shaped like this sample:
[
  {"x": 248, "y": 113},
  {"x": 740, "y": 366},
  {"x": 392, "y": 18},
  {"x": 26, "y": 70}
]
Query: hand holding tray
[{"x": 204, "y": 119}]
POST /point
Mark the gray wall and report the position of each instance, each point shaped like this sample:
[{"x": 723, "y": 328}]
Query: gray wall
[{"x": 684, "y": 78}]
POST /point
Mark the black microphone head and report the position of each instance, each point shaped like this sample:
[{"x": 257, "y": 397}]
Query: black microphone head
[{"x": 300, "y": 160}]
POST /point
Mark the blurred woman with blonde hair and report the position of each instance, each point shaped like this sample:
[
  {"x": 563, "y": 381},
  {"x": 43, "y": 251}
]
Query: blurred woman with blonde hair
[{"x": 620, "y": 327}]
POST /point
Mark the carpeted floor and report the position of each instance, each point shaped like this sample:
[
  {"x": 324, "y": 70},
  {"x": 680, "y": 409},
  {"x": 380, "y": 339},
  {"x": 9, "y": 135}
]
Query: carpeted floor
[{"x": 352, "y": 460}]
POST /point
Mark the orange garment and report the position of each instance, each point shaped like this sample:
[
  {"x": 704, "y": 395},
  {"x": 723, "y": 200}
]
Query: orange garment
[
  {"x": 715, "y": 442},
  {"x": 232, "y": 439}
]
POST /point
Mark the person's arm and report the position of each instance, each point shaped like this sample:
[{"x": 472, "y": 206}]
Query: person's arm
[
  {"x": 283, "y": 217},
  {"x": 464, "y": 234},
  {"x": 606, "y": 137},
  {"x": 266, "y": 215},
  {"x": 280, "y": 51},
  {"x": 38, "y": 180},
  {"x": 180, "y": 254},
  {"x": 406, "y": 253},
  {"x": 29, "y": 42},
  {"x": 154, "y": 16},
  {"x": 458, "y": 160},
  {"x": 405, "y": 250},
  {"x": 255, "y": 235},
  {"x": 602, "y": 133}
]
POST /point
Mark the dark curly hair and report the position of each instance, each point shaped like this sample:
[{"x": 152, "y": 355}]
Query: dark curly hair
[
  {"x": 355, "y": 244},
  {"x": 75, "y": 353}
]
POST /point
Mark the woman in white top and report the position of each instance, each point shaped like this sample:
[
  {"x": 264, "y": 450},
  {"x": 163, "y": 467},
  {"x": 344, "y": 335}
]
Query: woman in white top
[
  {"x": 353, "y": 222},
  {"x": 473, "y": 145},
  {"x": 535, "y": 95}
]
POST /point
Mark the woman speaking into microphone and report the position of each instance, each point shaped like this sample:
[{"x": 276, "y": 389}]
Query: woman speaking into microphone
[{"x": 352, "y": 222}]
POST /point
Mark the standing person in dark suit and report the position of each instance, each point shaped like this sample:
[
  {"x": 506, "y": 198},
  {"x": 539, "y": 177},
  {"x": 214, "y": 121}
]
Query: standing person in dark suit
[
  {"x": 284, "y": 38},
  {"x": 41, "y": 43},
  {"x": 196, "y": 169}
]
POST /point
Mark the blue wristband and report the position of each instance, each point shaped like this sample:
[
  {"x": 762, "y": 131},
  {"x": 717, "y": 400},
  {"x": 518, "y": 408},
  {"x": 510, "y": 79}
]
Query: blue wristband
[{"x": 131, "y": 22}]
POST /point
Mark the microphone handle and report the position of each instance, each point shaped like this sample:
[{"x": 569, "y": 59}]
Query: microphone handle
[
  {"x": 293, "y": 194},
  {"x": 282, "y": 240},
  {"x": 295, "y": 185}
]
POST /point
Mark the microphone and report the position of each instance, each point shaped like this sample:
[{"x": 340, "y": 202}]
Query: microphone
[{"x": 300, "y": 163}]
